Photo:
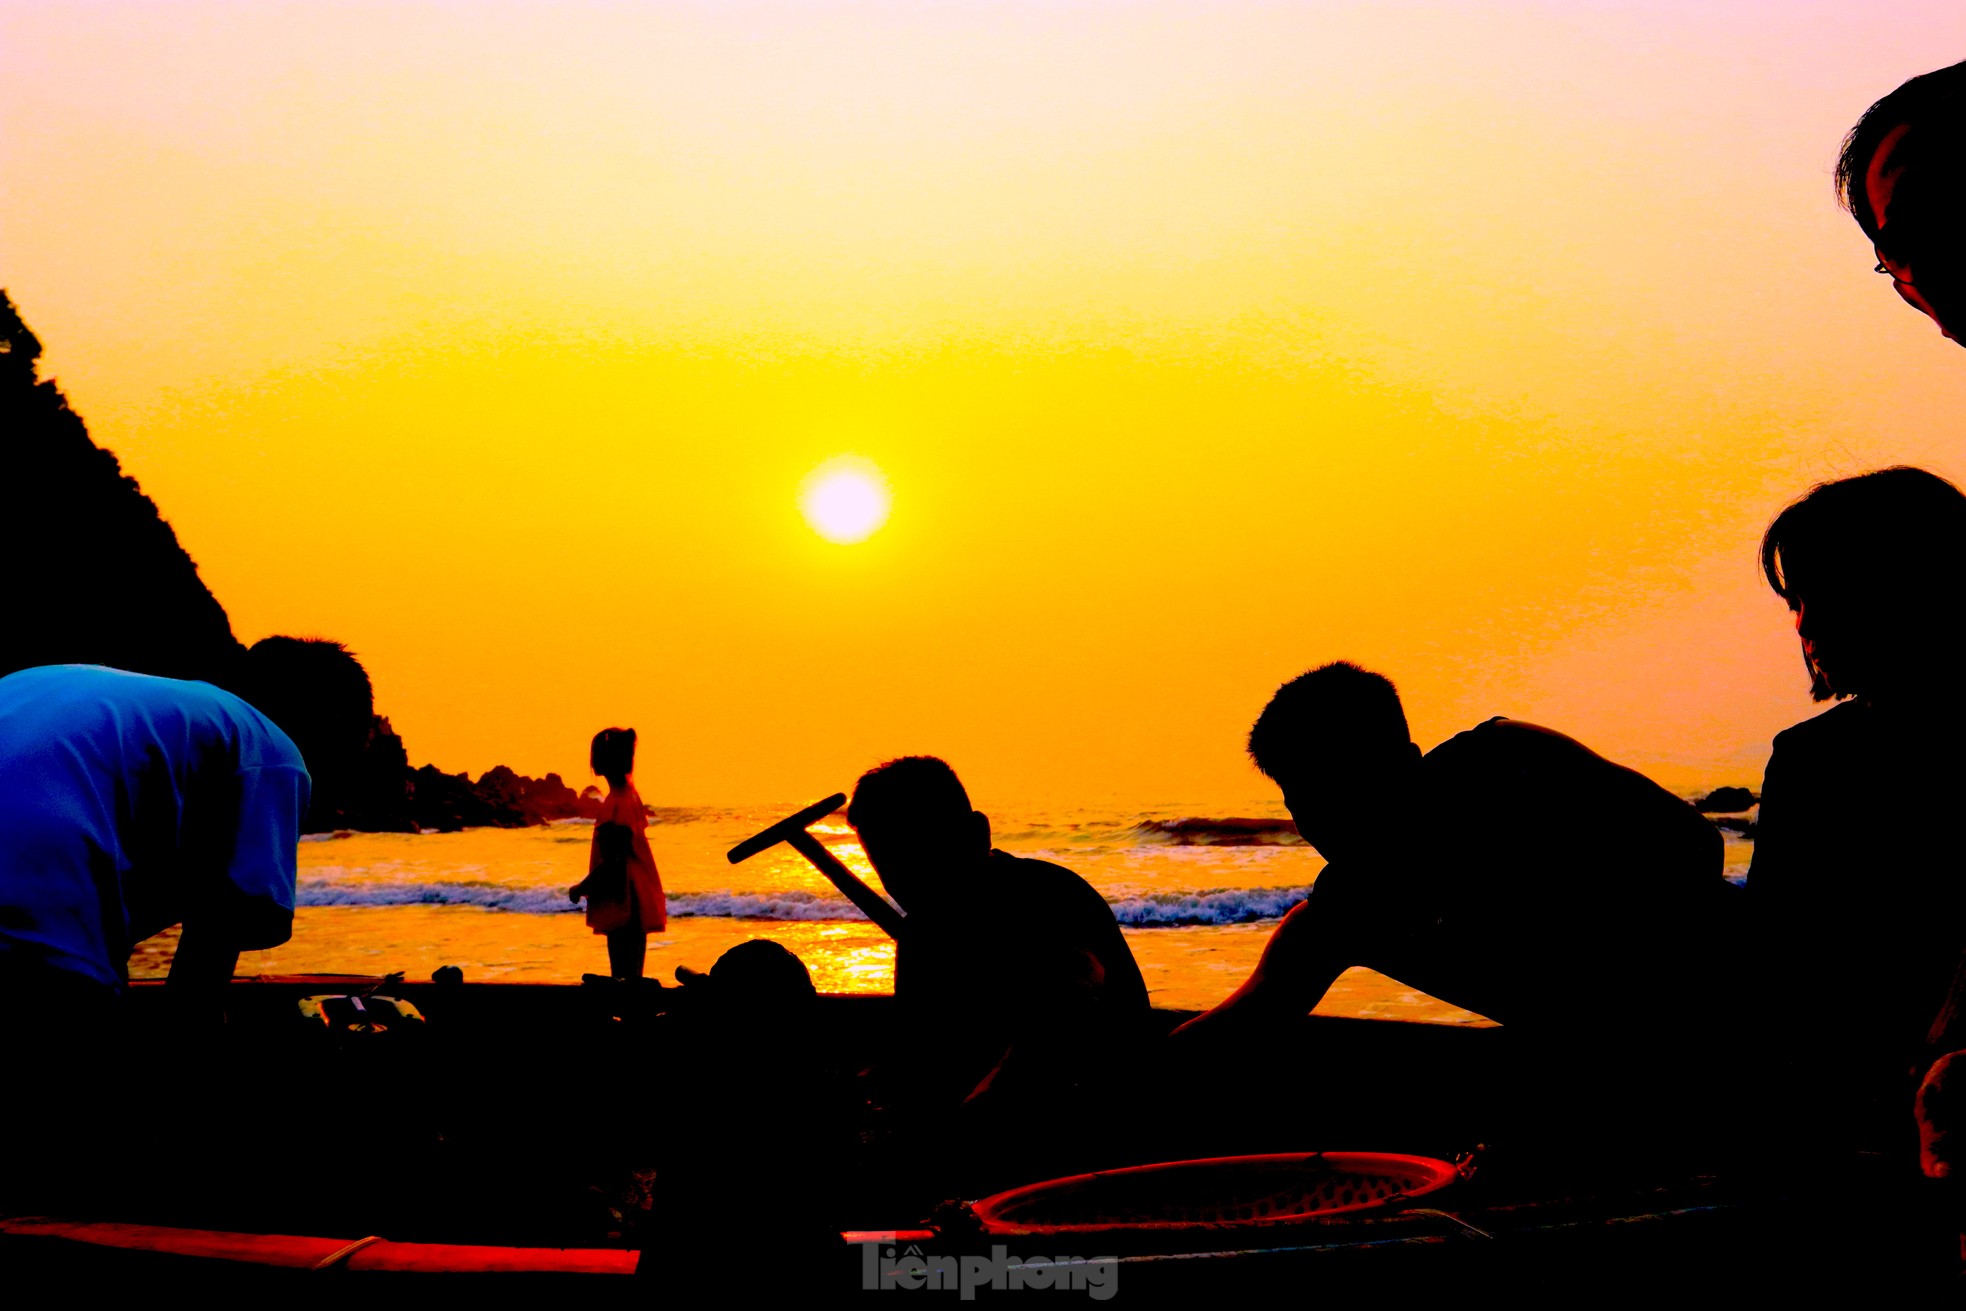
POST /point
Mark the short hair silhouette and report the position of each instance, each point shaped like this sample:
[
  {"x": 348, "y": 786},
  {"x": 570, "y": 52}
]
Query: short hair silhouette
[
  {"x": 612, "y": 755},
  {"x": 1932, "y": 155},
  {"x": 317, "y": 692},
  {"x": 908, "y": 792},
  {"x": 761, "y": 974},
  {"x": 1896, "y": 535},
  {"x": 1335, "y": 701}
]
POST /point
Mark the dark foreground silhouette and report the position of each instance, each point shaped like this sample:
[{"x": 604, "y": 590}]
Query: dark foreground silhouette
[
  {"x": 767, "y": 1111},
  {"x": 1016, "y": 967},
  {"x": 1856, "y": 895},
  {"x": 128, "y": 804},
  {"x": 1444, "y": 877}
]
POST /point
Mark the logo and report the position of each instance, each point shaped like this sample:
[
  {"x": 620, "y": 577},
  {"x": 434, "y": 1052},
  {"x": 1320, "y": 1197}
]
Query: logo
[{"x": 886, "y": 1266}]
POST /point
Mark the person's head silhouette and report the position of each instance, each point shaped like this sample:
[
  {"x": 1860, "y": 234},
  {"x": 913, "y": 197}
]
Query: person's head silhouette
[
  {"x": 612, "y": 755},
  {"x": 1335, "y": 740},
  {"x": 1874, "y": 568},
  {"x": 1902, "y": 176},
  {"x": 762, "y": 977},
  {"x": 321, "y": 697},
  {"x": 919, "y": 831}
]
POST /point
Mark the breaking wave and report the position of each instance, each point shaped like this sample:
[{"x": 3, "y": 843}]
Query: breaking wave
[
  {"x": 489, "y": 896},
  {"x": 1151, "y": 911},
  {"x": 1233, "y": 831},
  {"x": 794, "y": 904},
  {"x": 1165, "y": 910}
]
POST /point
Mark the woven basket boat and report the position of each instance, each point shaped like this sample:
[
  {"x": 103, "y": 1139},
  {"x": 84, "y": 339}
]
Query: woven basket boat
[{"x": 1223, "y": 1192}]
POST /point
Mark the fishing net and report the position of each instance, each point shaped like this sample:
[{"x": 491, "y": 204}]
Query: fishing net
[{"x": 1231, "y": 1190}]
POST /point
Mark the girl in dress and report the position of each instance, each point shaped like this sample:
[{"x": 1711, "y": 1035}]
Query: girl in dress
[{"x": 624, "y": 893}]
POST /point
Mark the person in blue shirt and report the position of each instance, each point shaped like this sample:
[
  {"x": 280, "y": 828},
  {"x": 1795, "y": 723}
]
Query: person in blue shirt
[{"x": 129, "y": 803}]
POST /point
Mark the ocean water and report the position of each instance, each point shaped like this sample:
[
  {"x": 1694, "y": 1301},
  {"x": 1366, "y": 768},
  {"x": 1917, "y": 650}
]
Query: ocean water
[{"x": 1196, "y": 891}]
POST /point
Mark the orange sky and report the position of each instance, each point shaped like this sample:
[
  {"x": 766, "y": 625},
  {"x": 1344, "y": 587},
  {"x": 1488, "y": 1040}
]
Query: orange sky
[{"x": 1198, "y": 344}]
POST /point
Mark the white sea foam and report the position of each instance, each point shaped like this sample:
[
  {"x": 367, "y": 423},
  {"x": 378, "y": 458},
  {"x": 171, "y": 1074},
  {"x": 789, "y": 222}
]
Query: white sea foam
[
  {"x": 443, "y": 892},
  {"x": 793, "y": 904},
  {"x": 1155, "y": 910},
  {"x": 1217, "y": 906}
]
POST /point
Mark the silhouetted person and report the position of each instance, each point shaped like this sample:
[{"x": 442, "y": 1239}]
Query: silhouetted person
[
  {"x": 625, "y": 902},
  {"x": 1013, "y": 971},
  {"x": 1902, "y": 176},
  {"x": 1447, "y": 872},
  {"x": 1856, "y": 890},
  {"x": 753, "y": 1160},
  {"x": 321, "y": 697},
  {"x": 128, "y": 803}
]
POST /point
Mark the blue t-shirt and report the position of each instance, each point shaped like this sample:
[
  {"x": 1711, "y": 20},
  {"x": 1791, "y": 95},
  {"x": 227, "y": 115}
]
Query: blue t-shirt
[{"x": 129, "y": 803}]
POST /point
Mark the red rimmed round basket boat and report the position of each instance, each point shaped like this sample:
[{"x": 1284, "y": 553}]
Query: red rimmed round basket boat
[{"x": 1217, "y": 1193}]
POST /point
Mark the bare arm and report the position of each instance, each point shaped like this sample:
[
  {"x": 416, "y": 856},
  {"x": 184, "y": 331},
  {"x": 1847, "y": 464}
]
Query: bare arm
[
  {"x": 201, "y": 968},
  {"x": 204, "y": 961},
  {"x": 217, "y": 927},
  {"x": 1057, "y": 1023},
  {"x": 238, "y": 873},
  {"x": 1303, "y": 959}
]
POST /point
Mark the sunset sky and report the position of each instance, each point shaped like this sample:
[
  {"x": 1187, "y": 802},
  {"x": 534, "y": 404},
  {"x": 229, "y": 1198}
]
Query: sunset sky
[{"x": 1196, "y": 344}]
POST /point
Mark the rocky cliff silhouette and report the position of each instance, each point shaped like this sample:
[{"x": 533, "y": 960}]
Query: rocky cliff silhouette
[{"x": 97, "y": 576}]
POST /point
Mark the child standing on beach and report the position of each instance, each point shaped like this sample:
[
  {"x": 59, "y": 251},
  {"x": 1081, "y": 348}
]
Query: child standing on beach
[{"x": 623, "y": 891}]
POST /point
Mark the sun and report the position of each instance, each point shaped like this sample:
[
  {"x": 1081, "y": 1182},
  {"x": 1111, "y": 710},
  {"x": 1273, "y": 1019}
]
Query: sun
[{"x": 845, "y": 500}]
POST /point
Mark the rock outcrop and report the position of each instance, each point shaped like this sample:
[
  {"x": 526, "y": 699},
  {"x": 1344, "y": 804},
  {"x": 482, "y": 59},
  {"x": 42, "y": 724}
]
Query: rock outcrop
[
  {"x": 1726, "y": 801},
  {"x": 95, "y": 575},
  {"x": 500, "y": 798}
]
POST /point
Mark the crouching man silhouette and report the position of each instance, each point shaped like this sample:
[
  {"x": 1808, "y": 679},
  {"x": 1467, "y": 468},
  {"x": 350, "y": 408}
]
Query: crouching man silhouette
[{"x": 1460, "y": 872}]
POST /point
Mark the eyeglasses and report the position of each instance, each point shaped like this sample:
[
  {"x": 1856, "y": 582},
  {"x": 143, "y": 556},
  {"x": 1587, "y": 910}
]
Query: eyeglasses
[{"x": 1902, "y": 282}]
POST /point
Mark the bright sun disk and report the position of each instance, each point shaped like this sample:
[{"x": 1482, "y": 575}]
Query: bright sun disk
[{"x": 845, "y": 500}]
